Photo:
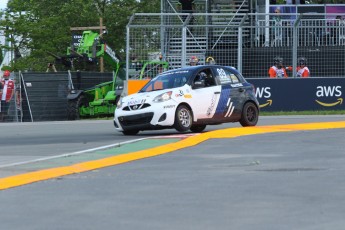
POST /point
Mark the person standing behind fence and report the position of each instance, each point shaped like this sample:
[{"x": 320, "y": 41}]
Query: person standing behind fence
[
  {"x": 302, "y": 70},
  {"x": 193, "y": 61},
  {"x": 277, "y": 32},
  {"x": 6, "y": 94},
  {"x": 187, "y": 6},
  {"x": 277, "y": 70}
]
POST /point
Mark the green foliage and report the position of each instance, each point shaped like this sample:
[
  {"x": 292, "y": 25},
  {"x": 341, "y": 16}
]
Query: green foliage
[{"x": 36, "y": 27}]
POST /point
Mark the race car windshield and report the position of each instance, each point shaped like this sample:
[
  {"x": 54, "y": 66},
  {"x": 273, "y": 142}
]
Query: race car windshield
[{"x": 168, "y": 80}]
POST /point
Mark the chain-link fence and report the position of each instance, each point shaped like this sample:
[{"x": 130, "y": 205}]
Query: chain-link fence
[
  {"x": 249, "y": 42},
  {"x": 44, "y": 96}
]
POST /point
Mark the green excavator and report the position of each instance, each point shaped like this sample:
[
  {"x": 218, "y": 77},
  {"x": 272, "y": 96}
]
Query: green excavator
[{"x": 101, "y": 99}]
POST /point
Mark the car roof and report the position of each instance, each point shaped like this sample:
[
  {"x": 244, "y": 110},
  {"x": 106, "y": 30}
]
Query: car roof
[{"x": 194, "y": 68}]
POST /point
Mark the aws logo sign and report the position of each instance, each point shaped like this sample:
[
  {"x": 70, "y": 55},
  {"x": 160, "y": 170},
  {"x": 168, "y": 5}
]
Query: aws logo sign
[
  {"x": 264, "y": 92},
  {"x": 323, "y": 93}
]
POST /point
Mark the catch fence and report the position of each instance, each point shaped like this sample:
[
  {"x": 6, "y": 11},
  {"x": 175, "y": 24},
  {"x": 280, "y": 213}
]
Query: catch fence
[{"x": 248, "y": 42}]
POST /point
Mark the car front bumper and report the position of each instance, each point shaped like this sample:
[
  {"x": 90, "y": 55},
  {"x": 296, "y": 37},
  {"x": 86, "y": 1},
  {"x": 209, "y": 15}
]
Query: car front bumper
[{"x": 158, "y": 116}]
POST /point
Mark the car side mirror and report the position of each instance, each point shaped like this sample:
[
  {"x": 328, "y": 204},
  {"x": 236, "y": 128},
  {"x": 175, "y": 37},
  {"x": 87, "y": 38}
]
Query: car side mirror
[{"x": 199, "y": 84}]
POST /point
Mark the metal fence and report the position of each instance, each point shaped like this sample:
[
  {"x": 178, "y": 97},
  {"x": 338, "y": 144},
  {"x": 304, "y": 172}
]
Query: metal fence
[
  {"x": 248, "y": 42},
  {"x": 43, "y": 96}
]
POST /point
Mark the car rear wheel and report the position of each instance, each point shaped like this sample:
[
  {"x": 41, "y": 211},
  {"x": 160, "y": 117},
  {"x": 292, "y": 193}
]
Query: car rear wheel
[
  {"x": 250, "y": 115},
  {"x": 183, "y": 119},
  {"x": 197, "y": 128},
  {"x": 130, "y": 132}
]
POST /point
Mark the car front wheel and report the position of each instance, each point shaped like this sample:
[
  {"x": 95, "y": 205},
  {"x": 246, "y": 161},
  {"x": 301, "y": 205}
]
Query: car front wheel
[
  {"x": 183, "y": 119},
  {"x": 250, "y": 115}
]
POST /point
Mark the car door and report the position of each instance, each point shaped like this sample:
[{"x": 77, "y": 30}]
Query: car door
[
  {"x": 205, "y": 98},
  {"x": 229, "y": 107}
]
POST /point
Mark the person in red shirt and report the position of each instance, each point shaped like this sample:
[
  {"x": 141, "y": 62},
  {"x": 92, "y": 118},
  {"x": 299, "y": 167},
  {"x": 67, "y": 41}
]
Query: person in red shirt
[
  {"x": 301, "y": 70},
  {"x": 277, "y": 70},
  {"x": 193, "y": 61},
  {"x": 6, "y": 94}
]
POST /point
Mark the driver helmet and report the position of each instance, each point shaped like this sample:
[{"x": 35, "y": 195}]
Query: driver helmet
[
  {"x": 302, "y": 61},
  {"x": 201, "y": 76},
  {"x": 278, "y": 61},
  {"x": 193, "y": 60}
]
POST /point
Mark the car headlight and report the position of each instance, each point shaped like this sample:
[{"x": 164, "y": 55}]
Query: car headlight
[
  {"x": 119, "y": 103},
  {"x": 163, "y": 97}
]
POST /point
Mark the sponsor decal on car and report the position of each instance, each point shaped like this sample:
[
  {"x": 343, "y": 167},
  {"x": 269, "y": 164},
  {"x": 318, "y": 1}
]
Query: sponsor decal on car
[
  {"x": 180, "y": 94},
  {"x": 213, "y": 102},
  {"x": 230, "y": 108},
  {"x": 169, "y": 106},
  {"x": 237, "y": 85},
  {"x": 136, "y": 102}
]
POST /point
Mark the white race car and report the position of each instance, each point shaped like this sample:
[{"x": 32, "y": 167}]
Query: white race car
[{"x": 189, "y": 99}]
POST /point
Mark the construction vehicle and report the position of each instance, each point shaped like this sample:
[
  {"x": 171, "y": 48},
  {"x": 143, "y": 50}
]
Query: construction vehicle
[{"x": 101, "y": 99}]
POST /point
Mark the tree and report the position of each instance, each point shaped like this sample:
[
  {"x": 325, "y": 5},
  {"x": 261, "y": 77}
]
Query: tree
[{"x": 37, "y": 27}]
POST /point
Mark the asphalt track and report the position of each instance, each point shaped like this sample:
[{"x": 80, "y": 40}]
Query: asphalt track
[{"x": 264, "y": 177}]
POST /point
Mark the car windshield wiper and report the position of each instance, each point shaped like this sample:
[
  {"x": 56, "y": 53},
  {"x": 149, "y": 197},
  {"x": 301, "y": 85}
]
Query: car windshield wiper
[
  {"x": 144, "y": 91},
  {"x": 155, "y": 90}
]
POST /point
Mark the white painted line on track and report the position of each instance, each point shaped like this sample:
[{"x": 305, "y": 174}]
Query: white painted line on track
[{"x": 73, "y": 153}]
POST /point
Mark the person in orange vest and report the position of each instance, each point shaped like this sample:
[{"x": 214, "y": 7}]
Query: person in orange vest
[
  {"x": 6, "y": 94},
  {"x": 302, "y": 69},
  {"x": 277, "y": 70}
]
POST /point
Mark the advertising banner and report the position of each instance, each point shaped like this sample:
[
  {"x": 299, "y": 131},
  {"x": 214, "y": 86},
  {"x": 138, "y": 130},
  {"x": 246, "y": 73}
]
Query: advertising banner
[{"x": 300, "y": 94}]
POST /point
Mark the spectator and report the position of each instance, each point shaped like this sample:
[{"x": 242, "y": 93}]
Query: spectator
[
  {"x": 187, "y": 6},
  {"x": 302, "y": 69},
  {"x": 277, "y": 70},
  {"x": 6, "y": 94},
  {"x": 210, "y": 60},
  {"x": 277, "y": 31},
  {"x": 338, "y": 32},
  {"x": 51, "y": 66},
  {"x": 193, "y": 61}
]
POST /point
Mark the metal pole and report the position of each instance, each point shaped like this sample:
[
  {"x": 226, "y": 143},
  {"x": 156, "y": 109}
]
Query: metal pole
[
  {"x": 27, "y": 98},
  {"x": 183, "y": 49},
  {"x": 127, "y": 52},
  {"x": 101, "y": 60},
  {"x": 294, "y": 45},
  {"x": 267, "y": 23},
  {"x": 240, "y": 43}
]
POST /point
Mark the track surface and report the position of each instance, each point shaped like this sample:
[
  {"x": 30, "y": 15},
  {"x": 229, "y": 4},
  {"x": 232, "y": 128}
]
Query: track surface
[{"x": 288, "y": 180}]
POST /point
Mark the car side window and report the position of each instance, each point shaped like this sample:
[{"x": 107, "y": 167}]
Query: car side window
[
  {"x": 226, "y": 76},
  {"x": 206, "y": 77}
]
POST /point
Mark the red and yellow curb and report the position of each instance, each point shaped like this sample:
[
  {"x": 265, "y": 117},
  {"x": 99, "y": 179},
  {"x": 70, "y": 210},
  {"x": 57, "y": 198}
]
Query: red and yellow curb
[{"x": 31, "y": 177}]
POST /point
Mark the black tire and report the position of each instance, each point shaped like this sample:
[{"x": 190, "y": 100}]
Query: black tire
[
  {"x": 183, "y": 119},
  {"x": 197, "y": 128},
  {"x": 130, "y": 132},
  {"x": 73, "y": 107},
  {"x": 250, "y": 115}
]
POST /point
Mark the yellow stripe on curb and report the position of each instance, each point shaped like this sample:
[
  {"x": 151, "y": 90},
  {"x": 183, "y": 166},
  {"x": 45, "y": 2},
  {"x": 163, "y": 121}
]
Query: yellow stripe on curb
[{"x": 27, "y": 178}]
